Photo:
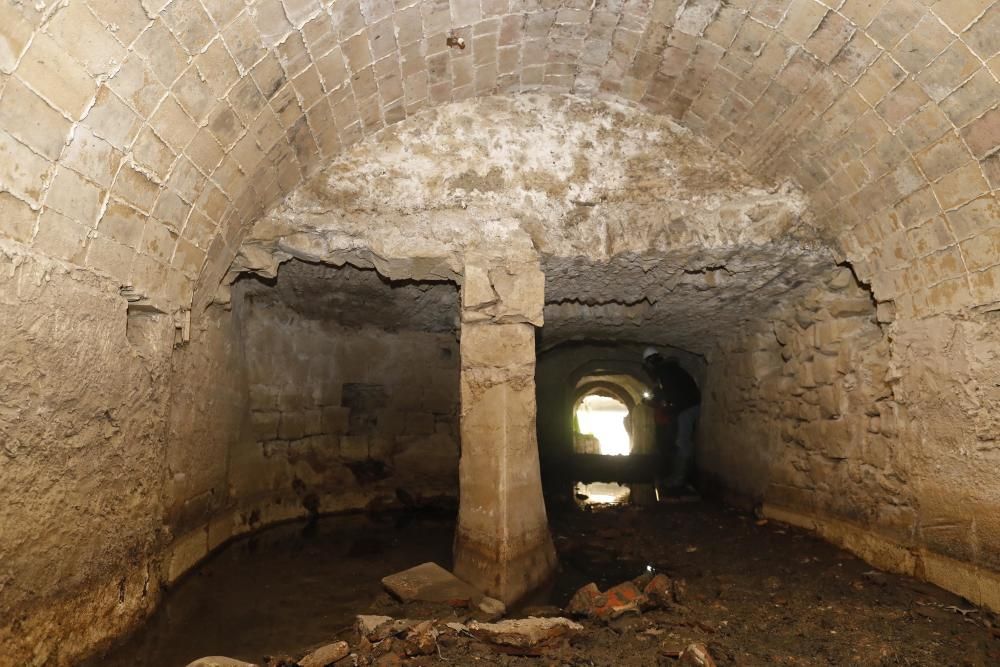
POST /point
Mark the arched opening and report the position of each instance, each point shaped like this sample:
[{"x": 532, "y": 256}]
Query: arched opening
[
  {"x": 580, "y": 382},
  {"x": 601, "y": 425}
]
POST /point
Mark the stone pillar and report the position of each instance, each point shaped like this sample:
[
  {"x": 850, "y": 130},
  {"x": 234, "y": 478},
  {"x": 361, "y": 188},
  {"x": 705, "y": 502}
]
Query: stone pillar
[{"x": 502, "y": 543}]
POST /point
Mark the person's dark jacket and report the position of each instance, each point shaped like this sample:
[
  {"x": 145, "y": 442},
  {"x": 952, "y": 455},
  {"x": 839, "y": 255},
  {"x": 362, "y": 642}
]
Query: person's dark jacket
[{"x": 676, "y": 387}]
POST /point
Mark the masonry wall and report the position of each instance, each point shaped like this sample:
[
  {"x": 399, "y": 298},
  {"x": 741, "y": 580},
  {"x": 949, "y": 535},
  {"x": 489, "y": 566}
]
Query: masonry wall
[
  {"x": 877, "y": 432},
  {"x": 82, "y": 458},
  {"x": 345, "y": 418}
]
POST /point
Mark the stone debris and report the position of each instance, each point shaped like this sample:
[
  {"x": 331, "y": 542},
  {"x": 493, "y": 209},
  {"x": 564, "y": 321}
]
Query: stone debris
[
  {"x": 219, "y": 661},
  {"x": 429, "y": 582},
  {"x": 696, "y": 655},
  {"x": 326, "y": 655},
  {"x": 526, "y": 636},
  {"x": 377, "y": 628},
  {"x": 492, "y": 608},
  {"x": 422, "y": 638}
]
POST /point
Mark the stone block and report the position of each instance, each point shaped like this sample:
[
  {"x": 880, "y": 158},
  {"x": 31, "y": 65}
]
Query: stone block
[
  {"x": 928, "y": 39},
  {"x": 75, "y": 197},
  {"x": 31, "y": 120},
  {"x": 497, "y": 345},
  {"x": 58, "y": 77},
  {"x": 151, "y": 152},
  {"x": 296, "y": 425},
  {"x": 982, "y": 135},
  {"x": 264, "y": 425},
  {"x": 958, "y": 14},
  {"x": 22, "y": 171},
  {"x": 521, "y": 291},
  {"x": 165, "y": 55},
  {"x": 17, "y": 220},
  {"x": 982, "y": 35},
  {"x": 830, "y": 401},
  {"x": 830, "y": 37},
  {"x": 158, "y": 241},
  {"x": 92, "y": 157},
  {"x": 126, "y": 19},
  {"x": 804, "y": 375},
  {"x": 825, "y": 368},
  {"x": 973, "y": 99},
  {"x": 924, "y": 128},
  {"x": 335, "y": 419},
  {"x": 15, "y": 33},
  {"x": 901, "y": 103},
  {"x": 61, "y": 237},
  {"x": 354, "y": 447},
  {"x": 948, "y": 71},
  {"x": 110, "y": 257},
  {"x": 81, "y": 35},
  {"x": 477, "y": 289}
]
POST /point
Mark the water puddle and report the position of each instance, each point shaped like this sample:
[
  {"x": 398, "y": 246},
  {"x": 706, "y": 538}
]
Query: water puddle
[{"x": 282, "y": 589}]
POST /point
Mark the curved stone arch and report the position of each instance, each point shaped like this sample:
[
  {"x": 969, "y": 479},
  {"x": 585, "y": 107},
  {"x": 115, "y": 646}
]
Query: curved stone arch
[
  {"x": 602, "y": 387},
  {"x": 625, "y": 380},
  {"x": 624, "y": 389},
  {"x": 163, "y": 129}
]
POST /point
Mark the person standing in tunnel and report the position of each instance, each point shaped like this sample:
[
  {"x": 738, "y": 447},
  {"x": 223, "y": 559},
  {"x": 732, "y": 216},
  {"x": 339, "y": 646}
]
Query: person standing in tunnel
[{"x": 677, "y": 400}]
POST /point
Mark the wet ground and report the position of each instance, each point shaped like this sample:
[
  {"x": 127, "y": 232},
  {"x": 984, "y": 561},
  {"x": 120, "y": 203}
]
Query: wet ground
[
  {"x": 767, "y": 594},
  {"x": 283, "y": 589},
  {"x": 756, "y": 594}
]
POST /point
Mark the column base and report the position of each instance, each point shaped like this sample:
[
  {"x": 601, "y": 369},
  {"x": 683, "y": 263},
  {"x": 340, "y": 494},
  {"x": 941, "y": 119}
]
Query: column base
[{"x": 505, "y": 572}]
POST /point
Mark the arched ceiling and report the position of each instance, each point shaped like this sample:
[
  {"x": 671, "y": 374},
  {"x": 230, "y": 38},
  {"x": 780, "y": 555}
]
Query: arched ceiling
[
  {"x": 143, "y": 138},
  {"x": 643, "y": 232}
]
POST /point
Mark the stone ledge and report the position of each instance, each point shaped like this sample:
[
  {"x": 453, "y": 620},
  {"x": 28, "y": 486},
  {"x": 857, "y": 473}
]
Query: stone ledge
[{"x": 978, "y": 585}]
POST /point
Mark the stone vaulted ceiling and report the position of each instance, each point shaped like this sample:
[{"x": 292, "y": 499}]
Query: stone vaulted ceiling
[{"x": 143, "y": 138}]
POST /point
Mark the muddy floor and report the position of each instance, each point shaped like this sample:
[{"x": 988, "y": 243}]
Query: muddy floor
[
  {"x": 757, "y": 594},
  {"x": 766, "y": 594}
]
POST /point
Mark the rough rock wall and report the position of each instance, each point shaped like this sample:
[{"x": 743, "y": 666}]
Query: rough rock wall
[
  {"x": 791, "y": 400},
  {"x": 879, "y": 432},
  {"x": 208, "y": 420},
  {"x": 82, "y": 458},
  {"x": 124, "y": 456},
  {"x": 950, "y": 392},
  {"x": 343, "y": 417}
]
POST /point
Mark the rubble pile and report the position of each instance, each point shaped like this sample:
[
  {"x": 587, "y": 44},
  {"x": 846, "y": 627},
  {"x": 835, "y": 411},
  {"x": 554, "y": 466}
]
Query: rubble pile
[{"x": 385, "y": 641}]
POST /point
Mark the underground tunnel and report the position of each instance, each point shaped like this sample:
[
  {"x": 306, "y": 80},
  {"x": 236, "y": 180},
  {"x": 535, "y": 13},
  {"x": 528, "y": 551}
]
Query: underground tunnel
[{"x": 335, "y": 332}]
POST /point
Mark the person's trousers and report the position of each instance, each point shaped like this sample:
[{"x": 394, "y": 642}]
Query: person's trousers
[{"x": 683, "y": 451}]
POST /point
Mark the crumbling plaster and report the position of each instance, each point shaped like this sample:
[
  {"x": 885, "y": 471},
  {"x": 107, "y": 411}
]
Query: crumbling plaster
[{"x": 643, "y": 231}]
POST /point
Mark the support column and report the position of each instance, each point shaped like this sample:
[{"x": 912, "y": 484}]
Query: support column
[{"x": 502, "y": 543}]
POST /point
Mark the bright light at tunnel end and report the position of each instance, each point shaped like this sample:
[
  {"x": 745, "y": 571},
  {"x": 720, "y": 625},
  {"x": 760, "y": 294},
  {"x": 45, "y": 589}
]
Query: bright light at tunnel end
[{"x": 604, "y": 418}]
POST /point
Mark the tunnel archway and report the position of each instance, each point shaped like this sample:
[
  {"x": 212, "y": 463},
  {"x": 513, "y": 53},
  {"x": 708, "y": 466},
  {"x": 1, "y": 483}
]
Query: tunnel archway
[
  {"x": 569, "y": 371},
  {"x": 601, "y": 427}
]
